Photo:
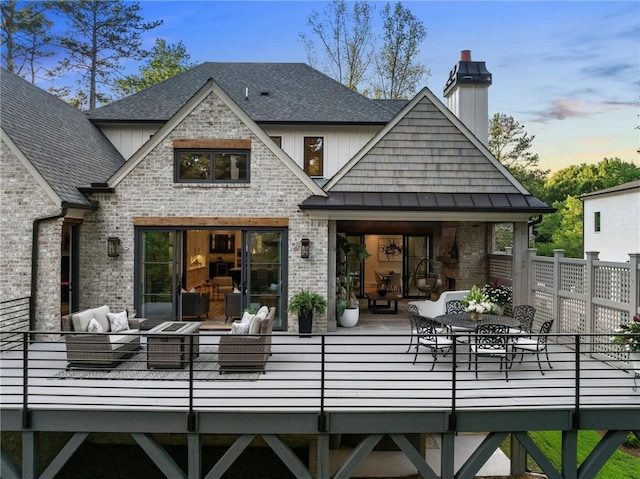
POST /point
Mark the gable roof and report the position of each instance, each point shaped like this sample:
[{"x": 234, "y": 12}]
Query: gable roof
[
  {"x": 59, "y": 141},
  {"x": 267, "y": 92},
  {"x": 425, "y": 159},
  {"x": 630, "y": 185},
  {"x": 211, "y": 87}
]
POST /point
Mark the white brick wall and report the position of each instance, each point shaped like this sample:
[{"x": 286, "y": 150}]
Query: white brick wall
[
  {"x": 149, "y": 190},
  {"x": 21, "y": 201}
]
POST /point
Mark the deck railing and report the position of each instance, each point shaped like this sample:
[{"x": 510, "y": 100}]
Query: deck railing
[
  {"x": 14, "y": 317},
  {"x": 327, "y": 373}
]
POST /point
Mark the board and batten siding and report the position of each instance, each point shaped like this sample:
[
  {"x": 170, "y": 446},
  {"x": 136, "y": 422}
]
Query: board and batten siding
[
  {"x": 341, "y": 143},
  {"x": 425, "y": 151},
  {"x": 129, "y": 138}
]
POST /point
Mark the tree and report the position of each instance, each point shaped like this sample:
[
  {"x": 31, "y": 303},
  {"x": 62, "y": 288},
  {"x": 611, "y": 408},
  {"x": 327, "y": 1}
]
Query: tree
[
  {"x": 562, "y": 229},
  {"x": 396, "y": 69},
  {"x": 346, "y": 41},
  {"x": 533, "y": 179},
  {"x": 577, "y": 180},
  {"x": 25, "y": 37},
  {"x": 101, "y": 33},
  {"x": 164, "y": 62},
  {"x": 509, "y": 143}
]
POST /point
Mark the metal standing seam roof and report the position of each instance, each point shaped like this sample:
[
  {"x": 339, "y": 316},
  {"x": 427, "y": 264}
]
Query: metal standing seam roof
[
  {"x": 479, "y": 202},
  {"x": 59, "y": 140},
  {"x": 267, "y": 92}
]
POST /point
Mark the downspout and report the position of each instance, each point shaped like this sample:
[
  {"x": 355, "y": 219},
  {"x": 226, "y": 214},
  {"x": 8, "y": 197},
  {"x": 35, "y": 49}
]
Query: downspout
[{"x": 34, "y": 261}]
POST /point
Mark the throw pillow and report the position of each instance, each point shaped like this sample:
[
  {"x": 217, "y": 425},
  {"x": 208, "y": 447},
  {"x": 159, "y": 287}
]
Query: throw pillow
[
  {"x": 94, "y": 326},
  {"x": 247, "y": 317},
  {"x": 263, "y": 312},
  {"x": 118, "y": 321},
  {"x": 239, "y": 328}
]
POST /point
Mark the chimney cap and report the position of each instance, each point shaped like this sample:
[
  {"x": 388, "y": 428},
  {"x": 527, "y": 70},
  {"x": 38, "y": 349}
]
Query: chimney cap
[{"x": 467, "y": 72}]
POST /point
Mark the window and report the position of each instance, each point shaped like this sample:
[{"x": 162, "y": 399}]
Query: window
[
  {"x": 596, "y": 222},
  {"x": 314, "y": 155},
  {"x": 212, "y": 166}
]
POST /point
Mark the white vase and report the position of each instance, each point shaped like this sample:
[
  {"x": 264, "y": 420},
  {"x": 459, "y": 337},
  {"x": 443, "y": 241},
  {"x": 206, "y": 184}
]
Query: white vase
[{"x": 349, "y": 318}]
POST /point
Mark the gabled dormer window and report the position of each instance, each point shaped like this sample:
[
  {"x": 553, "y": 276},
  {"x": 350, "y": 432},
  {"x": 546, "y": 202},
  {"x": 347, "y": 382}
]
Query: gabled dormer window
[
  {"x": 314, "y": 155},
  {"x": 211, "y": 165}
]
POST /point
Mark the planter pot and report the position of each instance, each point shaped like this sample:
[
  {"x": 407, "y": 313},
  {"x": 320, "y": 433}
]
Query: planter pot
[
  {"x": 498, "y": 309},
  {"x": 349, "y": 318},
  {"x": 305, "y": 324},
  {"x": 475, "y": 316}
]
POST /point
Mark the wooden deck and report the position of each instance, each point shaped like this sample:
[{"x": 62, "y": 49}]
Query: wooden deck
[{"x": 366, "y": 368}]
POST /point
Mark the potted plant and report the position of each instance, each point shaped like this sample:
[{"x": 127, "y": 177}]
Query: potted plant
[
  {"x": 629, "y": 338},
  {"x": 303, "y": 304},
  {"x": 499, "y": 295},
  {"x": 347, "y": 304},
  {"x": 477, "y": 303}
]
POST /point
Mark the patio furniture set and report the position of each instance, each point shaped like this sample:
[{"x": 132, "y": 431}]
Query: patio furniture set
[
  {"x": 497, "y": 336},
  {"x": 169, "y": 345}
]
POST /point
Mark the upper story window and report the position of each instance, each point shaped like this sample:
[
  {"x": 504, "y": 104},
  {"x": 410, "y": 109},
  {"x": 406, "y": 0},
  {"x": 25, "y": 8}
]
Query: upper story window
[
  {"x": 314, "y": 155},
  {"x": 212, "y": 161},
  {"x": 596, "y": 222}
]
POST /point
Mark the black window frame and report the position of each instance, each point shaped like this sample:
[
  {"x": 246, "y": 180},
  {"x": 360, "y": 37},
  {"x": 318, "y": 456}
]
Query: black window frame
[
  {"x": 211, "y": 153},
  {"x": 307, "y": 140},
  {"x": 597, "y": 222}
]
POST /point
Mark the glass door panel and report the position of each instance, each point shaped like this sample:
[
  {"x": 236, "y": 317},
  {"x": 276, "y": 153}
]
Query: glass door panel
[
  {"x": 159, "y": 276},
  {"x": 263, "y": 270}
]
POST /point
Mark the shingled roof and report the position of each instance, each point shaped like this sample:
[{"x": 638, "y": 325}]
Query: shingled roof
[
  {"x": 59, "y": 140},
  {"x": 267, "y": 92}
]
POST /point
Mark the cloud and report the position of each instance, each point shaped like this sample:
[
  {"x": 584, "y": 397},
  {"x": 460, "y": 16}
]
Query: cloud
[{"x": 566, "y": 108}]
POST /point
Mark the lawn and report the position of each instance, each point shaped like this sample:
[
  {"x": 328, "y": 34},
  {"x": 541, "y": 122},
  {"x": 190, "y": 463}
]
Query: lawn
[{"x": 621, "y": 465}]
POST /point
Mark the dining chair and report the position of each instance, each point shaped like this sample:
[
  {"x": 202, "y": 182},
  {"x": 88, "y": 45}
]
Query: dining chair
[
  {"x": 491, "y": 340},
  {"x": 454, "y": 306},
  {"x": 461, "y": 335},
  {"x": 534, "y": 345},
  {"x": 412, "y": 311},
  {"x": 428, "y": 336},
  {"x": 525, "y": 314}
]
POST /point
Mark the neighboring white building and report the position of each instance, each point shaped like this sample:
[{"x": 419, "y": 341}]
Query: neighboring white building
[{"x": 612, "y": 221}]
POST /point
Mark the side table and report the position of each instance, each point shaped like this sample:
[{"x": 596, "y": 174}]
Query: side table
[{"x": 168, "y": 344}]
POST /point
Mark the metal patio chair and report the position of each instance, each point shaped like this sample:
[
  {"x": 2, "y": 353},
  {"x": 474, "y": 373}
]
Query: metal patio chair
[
  {"x": 429, "y": 337},
  {"x": 534, "y": 345},
  {"x": 491, "y": 340}
]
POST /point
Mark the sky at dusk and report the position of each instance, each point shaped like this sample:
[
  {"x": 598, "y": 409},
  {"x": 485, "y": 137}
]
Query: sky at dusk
[{"x": 568, "y": 71}]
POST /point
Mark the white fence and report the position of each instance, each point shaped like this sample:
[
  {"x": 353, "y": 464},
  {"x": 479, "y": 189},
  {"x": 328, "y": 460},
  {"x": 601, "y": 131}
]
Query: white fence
[{"x": 585, "y": 295}]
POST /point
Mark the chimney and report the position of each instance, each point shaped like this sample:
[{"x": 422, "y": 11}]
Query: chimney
[{"x": 467, "y": 97}]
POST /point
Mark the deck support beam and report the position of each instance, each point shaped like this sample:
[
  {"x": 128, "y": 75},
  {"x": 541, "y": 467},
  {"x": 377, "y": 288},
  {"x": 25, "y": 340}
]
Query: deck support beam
[
  {"x": 8, "y": 466},
  {"x": 416, "y": 458},
  {"x": 361, "y": 451},
  {"x": 518, "y": 455},
  {"x": 159, "y": 456},
  {"x": 481, "y": 455},
  {"x": 64, "y": 455},
  {"x": 322, "y": 456},
  {"x": 601, "y": 453},
  {"x": 30, "y": 453},
  {"x": 570, "y": 454},
  {"x": 194, "y": 455},
  {"x": 447, "y": 455},
  {"x": 229, "y": 457}
]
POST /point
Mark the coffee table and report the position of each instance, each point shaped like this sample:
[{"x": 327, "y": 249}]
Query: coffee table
[
  {"x": 374, "y": 298},
  {"x": 168, "y": 344}
]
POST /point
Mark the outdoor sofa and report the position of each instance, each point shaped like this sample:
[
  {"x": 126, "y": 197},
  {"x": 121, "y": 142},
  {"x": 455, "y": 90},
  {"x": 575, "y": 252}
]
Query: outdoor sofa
[
  {"x": 88, "y": 347},
  {"x": 248, "y": 351},
  {"x": 431, "y": 309}
]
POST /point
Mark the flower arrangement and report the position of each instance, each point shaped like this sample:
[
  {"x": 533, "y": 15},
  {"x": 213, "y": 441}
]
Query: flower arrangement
[
  {"x": 630, "y": 337},
  {"x": 476, "y": 301},
  {"x": 498, "y": 293}
]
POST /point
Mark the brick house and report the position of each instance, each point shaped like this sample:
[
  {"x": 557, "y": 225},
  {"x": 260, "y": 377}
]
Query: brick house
[{"x": 227, "y": 170}]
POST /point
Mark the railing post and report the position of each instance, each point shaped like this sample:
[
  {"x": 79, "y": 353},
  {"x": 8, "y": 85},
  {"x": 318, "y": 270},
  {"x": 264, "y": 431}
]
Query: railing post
[
  {"x": 576, "y": 412},
  {"x": 558, "y": 254},
  {"x": 322, "y": 419},
  {"x": 589, "y": 323},
  {"x": 26, "y": 414},
  {"x": 191, "y": 419},
  {"x": 634, "y": 284},
  {"x": 454, "y": 390}
]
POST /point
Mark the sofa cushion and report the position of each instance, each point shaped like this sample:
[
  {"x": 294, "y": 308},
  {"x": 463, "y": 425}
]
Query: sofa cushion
[
  {"x": 81, "y": 319},
  {"x": 94, "y": 326},
  {"x": 118, "y": 321},
  {"x": 122, "y": 338},
  {"x": 254, "y": 327}
]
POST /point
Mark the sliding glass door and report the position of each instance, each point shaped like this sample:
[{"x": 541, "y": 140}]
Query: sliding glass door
[{"x": 159, "y": 275}]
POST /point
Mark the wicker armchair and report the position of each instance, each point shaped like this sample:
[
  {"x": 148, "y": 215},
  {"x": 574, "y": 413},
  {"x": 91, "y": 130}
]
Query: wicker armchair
[
  {"x": 247, "y": 352},
  {"x": 86, "y": 349}
]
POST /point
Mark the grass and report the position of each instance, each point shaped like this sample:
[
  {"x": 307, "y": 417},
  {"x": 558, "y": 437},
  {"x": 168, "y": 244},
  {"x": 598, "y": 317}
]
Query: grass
[{"x": 620, "y": 465}]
